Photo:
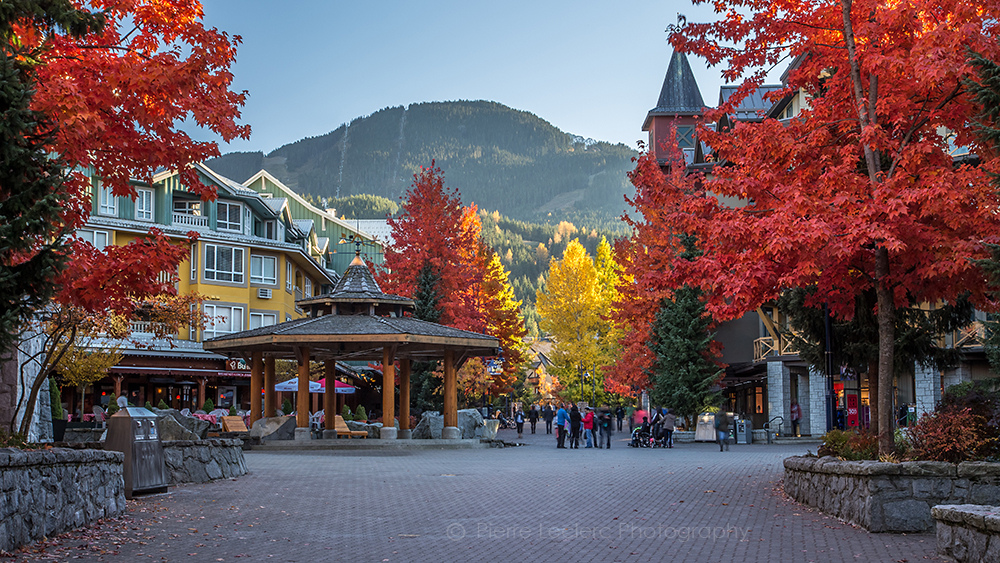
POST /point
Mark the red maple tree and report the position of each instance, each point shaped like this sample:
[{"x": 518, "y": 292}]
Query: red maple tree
[
  {"x": 435, "y": 230},
  {"x": 861, "y": 189},
  {"x": 116, "y": 95}
]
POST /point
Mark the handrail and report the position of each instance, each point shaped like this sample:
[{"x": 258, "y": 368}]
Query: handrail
[{"x": 768, "y": 423}]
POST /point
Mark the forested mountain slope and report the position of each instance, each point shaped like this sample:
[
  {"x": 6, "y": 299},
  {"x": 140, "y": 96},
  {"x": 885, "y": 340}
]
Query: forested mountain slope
[{"x": 497, "y": 157}]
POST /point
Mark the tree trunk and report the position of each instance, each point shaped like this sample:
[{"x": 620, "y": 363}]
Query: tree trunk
[
  {"x": 873, "y": 395},
  {"x": 886, "y": 347}
]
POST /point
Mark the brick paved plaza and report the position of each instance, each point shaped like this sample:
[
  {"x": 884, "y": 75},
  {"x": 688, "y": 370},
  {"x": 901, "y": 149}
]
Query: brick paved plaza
[{"x": 531, "y": 503}]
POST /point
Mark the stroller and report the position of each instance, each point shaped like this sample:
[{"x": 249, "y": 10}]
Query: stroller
[{"x": 641, "y": 438}]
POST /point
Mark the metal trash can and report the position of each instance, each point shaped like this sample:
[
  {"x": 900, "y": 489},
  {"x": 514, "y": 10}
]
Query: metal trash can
[
  {"x": 132, "y": 431},
  {"x": 744, "y": 431}
]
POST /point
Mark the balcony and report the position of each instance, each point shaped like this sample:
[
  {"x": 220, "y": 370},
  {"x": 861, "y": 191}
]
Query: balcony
[
  {"x": 970, "y": 336},
  {"x": 766, "y": 346},
  {"x": 190, "y": 220}
]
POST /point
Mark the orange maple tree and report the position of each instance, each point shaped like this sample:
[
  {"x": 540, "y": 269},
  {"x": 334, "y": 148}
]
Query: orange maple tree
[{"x": 861, "y": 189}]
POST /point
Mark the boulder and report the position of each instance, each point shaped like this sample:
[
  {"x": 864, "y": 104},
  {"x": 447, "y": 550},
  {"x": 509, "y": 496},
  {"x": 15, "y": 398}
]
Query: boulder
[
  {"x": 195, "y": 425},
  {"x": 170, "y": 430},
  {"x": 430, "y": 425},
  {"x": 274, "y": 428},
  {"x": 374, "y": 430},
  {"x": 470, "y": 423}
]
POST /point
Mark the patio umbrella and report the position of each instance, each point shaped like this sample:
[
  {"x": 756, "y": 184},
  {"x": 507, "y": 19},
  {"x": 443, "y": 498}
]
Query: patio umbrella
[
  {"x": 292, "y": 385},
  {"x": 340, "y": 386}
]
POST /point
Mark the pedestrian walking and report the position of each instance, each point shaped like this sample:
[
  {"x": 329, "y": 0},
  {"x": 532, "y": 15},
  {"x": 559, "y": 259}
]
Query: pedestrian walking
[
  {"x": 620, "y": 415},
  {"x": 533, "y": 417},
  {"x": 574, "y": 427},
  {"x": 605, "y": 425},
  {"x": 722, "y": 429},
  {"x": 796, "y": 411},
  {"x": 588, "y": 427},
  {"x": 519, "y": 421},
  {"x": 562, "y": 417},
  {"x": 669, "y": 424},
  {"x": 630, "y": 415},
  {"x": 547, "y": 416}
]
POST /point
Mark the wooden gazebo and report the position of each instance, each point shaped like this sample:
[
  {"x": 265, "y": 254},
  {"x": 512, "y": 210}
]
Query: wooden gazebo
[{"x": 356, "y": 321}]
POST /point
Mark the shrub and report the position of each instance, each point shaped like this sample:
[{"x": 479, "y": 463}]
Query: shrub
[
  {"x": 232, "y": 410},
  {"x": 286, "y": 406},
  {"x": 849, "y": 445},
  {"x": 149, "y": 406},
  {"x": 162, "y": 405},
  {"x": 361, "y": 414},
  {"x": 55, "y": 398},
  {"x": 209, "y": 405},
  {"x": 112, "y": 404},
  {"x": 345, "y": 413},
  {"x": 953, "y": 434}
]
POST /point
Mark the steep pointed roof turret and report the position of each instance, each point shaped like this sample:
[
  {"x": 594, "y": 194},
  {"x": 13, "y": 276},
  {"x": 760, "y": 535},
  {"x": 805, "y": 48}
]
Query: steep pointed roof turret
[{"x": 680, "y": 95}]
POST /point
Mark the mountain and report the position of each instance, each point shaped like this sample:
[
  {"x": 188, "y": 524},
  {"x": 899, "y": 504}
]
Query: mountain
[{"x": 497, "y": 157}]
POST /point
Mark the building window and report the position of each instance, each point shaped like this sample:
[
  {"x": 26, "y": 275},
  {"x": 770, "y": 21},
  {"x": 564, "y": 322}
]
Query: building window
[
  {"x": 187, "y": 207},
  {"x": 263, "y": 269},
  {"x": 289, "y": 277},
  {"x": 309, "y": 288},
  {"x": 144, "y": 205},
  {"x": 194, "y": 262},
  {"x": 270, "y": 230},
  {"x": 230, "y": 216},
  {"x": 685, "y": 137},
  {"x": 258, "y": 320},
  {"x": 107, "y": 203},
  {"x": 223, "y": 320},
  {"x": 223, "y": 263},
  {"x": 99, "y": 239}
]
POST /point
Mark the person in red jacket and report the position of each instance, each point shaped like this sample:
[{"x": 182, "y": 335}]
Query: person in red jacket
[{"x": 588, "y": 427}]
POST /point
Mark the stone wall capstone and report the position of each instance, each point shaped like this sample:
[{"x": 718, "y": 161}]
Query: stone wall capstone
[
  {"x": 968, "y": 532},
  {"x": 889, "y": 497},
  {"x": 47, "y": 492}
]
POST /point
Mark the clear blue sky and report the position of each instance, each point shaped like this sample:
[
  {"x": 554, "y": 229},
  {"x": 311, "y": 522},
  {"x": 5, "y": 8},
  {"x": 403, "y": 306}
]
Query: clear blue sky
[{"x": 589, "y": 67}]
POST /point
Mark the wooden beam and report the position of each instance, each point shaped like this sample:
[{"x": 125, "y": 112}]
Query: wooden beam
[
  {"x": 450, "y": 389},
  {"x": 269, "y": 402},
  {"x": 388, "y": 386},
  {"x": 302, "y": 401},
  {"x": 256, "y": 383},
  {"x": 330, "y": 398},
  {"x": 404, "y": 394}
]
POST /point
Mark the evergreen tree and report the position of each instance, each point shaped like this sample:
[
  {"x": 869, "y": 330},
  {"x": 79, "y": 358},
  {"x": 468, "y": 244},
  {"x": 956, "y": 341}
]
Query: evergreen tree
[
  {"x": 986, "y": 92},
  {"x": 424, "y": 379},
  {"x": 684, "y": 378},
  {"x": 32, "y": 194}
]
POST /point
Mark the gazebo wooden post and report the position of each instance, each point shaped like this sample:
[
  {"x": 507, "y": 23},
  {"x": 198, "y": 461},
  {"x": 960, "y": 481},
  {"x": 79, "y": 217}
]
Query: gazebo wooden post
[
  {"x": 405, "y": 432},
  {"x": 330, "y": 399},
  {"x": 450, "y": 430},
  {"x": 256, "y": 382},
  {"x": 269, "y": 403},
  {"x": 388, "y": 431},
  {"x": 302, "y": 400}
]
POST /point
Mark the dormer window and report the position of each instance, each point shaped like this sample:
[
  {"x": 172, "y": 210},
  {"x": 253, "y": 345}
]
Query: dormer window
[
  {"x": 230, "y": 216},
  {"x": 107, "y": 203}
]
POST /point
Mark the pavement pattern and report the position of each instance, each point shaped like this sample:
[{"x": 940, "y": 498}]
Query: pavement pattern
[{"x": 529, "y": 503}]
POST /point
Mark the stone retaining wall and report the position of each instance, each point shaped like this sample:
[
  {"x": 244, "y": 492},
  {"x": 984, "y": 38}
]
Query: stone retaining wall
[
  {"x": 968, "y": 532},
  {"x": 46, "y": 492},
  {"x": 889, "y": 497},
  {"x": 198, "y": 461}
]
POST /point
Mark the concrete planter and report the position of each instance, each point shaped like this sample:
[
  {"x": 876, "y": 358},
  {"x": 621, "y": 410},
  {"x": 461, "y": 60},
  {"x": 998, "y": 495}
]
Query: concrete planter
[{"x": 889, "y": 497}]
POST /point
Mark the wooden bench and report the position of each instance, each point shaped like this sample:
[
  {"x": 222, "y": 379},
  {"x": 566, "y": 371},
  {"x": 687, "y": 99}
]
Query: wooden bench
[
  {"x": 233, "y": 424},
  {"x": 344, "y": 432}
]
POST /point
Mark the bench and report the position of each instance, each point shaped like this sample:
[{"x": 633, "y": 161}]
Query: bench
[{"x": 344, "y": 432}]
